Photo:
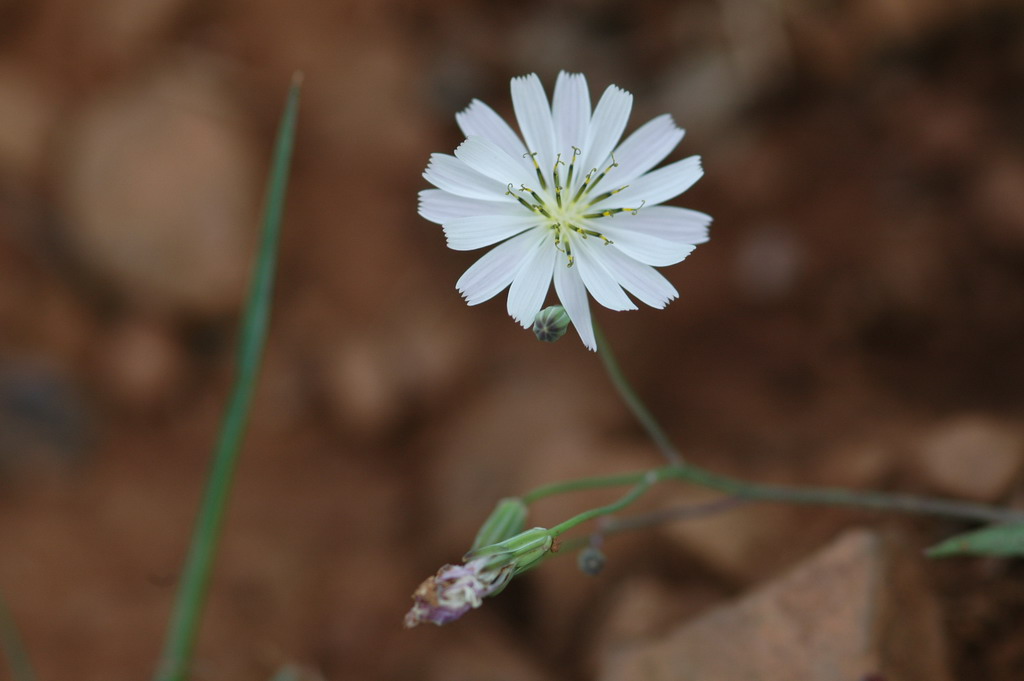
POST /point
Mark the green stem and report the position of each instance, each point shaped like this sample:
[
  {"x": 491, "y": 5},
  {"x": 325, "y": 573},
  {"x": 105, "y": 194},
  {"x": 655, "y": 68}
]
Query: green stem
[
  {"x": 632, "y": 401},
  {"x": 556, "y": 488},
  {"x": 641, "y": 487},
  {"x": 183, "y": 628},
  {"x": 741, "y": 489},
  {"x": 752, "y": 491}
]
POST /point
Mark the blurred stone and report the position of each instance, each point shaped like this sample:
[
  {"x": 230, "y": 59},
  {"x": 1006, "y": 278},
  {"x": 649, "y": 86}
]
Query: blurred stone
[
  {"x": 159, "y": 191},
  {"x": 768, "y": 263},
  {"x": 373, "y": 381},
  {"x": 703, "y": 91},
  {"x": 757, "y": 41},
  {"x": 480, "y": 653},
  {"x": 362, "y": 392},
  {"x": 26, "y": 117},
  {"x": 43, "y": 421},
  {"x": 140, "y": 363},
  {"x": 999, "y": 201},
  {"x": 857, "y": 465},
  {"x": 121, "y": 29},
  {"x": 970, "y": 457},
  {"x": 532, "y": 423},
  {"x": 838, "y": 40},
  {"x": 857, "y": 609},
  {"x": 752, "y": 541},
  {"x": 642, "y": 608}
]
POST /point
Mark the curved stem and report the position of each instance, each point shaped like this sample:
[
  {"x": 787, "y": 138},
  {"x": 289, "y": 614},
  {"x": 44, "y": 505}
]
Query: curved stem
[
  {"x": 741, "y": 489},
  {"x": 753, "y": 491},
  {"x": 647, "y": 479},
  {"x": 838, "y": 496},
  {"x": 556, "y": 488},
  {"x": 632, "y": 401},
  {"x": 610, "y": 526}
]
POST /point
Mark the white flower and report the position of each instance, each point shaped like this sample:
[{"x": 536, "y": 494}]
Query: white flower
[{"x": 570, "y": 204}]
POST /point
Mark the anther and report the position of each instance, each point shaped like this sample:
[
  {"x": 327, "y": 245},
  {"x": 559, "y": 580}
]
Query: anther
[
  {"x": 538, "y": 208},
  {"x": 604, "y": 196},
  {"x": 576, "y": 151},
  {"x": 536, "y": 167},
  {"x": 583, "y": 187},
  {"x": 524, "y": 188},
  {"x": 614, "y": 164},
  {"x": 554, "y": 172}
]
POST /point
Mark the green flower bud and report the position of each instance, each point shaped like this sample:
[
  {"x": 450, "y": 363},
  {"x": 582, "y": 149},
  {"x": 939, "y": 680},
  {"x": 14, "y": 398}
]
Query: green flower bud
[
  {"x": 521, "y": 552},
  {"x": 457, "y": 589},
  {"x": 551, "y": 323},
  {"x": 507, "y": 520}
]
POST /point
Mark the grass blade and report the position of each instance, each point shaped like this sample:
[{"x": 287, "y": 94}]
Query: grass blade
[
  {"x": 10, "y": 640},
  {"x": 183, "y": 628}
]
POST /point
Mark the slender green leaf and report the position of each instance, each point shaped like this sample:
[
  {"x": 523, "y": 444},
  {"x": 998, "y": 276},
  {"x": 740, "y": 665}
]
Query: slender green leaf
[
  {"x": 995, "y": 540},
  {"x": 17, "y": 656},
  {"x": 183, "y": 628},
  {"x": 289, "y": 672}
]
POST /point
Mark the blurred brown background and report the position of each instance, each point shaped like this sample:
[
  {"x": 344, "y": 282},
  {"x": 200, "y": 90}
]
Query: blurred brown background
[{"x": 856, "y": 319}]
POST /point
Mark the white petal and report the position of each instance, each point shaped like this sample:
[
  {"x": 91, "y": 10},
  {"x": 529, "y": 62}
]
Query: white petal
[
  {"x": 573, "y": 296},
  {"x": 532, "y": 282},
  {"x": 477, "y": 231},
  {"x": 641, "y": 280},
  {"x": 439, "y": 206},
  {"x": 480, "y": 119},
  {"x": 606, "y": 128},
  {"x": 570, "y": 109},
  {"x": 645, "y": 148},
  {"x": 596, "y": 278},
  {"x": 455, "y": 177},
  {"x": 666, "y": 222},
  {"x": 658, "y": 185},
  {"x": 659, "y": 235},
  {"x": 487, "y": 158},
  {"x": 489, "y": 275},
  {"x": 534, "y": 116},
  {"x": 647, "y": 249}
]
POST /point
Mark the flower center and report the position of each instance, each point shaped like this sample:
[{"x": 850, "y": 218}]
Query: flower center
[{"x": 567, "y": 208}]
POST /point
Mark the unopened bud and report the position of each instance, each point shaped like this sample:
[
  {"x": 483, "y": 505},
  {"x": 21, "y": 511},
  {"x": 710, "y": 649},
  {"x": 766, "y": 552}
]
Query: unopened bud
[
  {"x": 522, "y": 551},
  {"x": 551, "y": 323},
  {"x": 507, "y": 520}
]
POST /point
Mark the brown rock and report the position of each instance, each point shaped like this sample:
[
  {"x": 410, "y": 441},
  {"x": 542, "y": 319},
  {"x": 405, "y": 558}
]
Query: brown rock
[
  {"x": 751, "y": 541},
  {"x": 361, "y": 390},
  {"x": 996, "y": 198},
  {"x": 531, "y": 423},
  {"x": 971, "y": 457},
  {"x": 642, "y": 607},
  {"x": 854, "y": 464},
  {"x": 479, "y": 653},
  {"x": 160, "y": 194},
  {"x": 140, "y": 363},
  {"x": 377, "y": 376},
  {"x": 26, "y": 116},
  {"x": 121, "y": 29},
  {"x": 855, "y": 609}
]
